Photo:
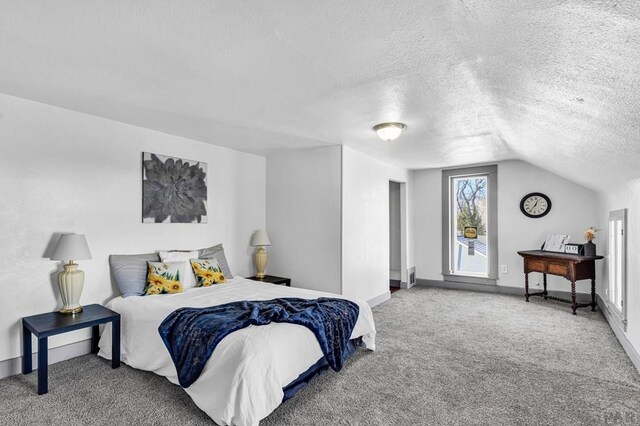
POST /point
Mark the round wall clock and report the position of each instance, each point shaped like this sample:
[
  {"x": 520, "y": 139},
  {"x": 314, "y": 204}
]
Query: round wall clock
[{"x": 535, "y": 205}]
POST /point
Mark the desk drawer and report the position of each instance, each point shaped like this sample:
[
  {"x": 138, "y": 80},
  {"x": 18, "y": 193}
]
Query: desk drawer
[
  {"x": 536, "y": 265},
  {"x": 558, "y": 269}
]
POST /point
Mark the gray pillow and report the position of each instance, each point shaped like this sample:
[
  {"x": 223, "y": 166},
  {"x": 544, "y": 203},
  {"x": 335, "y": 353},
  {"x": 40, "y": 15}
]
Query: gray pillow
[
  {"x": 130, "y": 271},
  {"x": 216, "y": 252}
]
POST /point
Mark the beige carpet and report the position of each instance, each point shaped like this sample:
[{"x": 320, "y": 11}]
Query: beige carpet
[{"x": 444, "y": 357}]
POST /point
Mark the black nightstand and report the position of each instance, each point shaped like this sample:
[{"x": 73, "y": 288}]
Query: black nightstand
[
  {"x": 273, "y": 280},
  {"x": 44, "y": 325}
]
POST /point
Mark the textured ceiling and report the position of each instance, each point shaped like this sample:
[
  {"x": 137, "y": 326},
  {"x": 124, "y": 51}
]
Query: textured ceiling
[{"x": 555, "y": 83}]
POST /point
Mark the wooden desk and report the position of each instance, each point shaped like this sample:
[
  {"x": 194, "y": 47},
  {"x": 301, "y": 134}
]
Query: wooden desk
[{"x": 570, "y": 266}]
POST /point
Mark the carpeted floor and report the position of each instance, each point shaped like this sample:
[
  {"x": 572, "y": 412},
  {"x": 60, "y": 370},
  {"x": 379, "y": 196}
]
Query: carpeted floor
[{"x": 443, "y": 357}]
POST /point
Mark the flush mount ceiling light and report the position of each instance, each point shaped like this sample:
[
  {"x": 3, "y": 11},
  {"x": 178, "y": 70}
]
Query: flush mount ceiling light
[{"x": 389, "y": 131}]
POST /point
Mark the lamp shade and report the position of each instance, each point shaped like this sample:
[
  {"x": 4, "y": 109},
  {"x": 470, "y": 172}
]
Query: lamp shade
[
  {"x": 71, "y": 247},
  {"x": 260, "y": 238}
]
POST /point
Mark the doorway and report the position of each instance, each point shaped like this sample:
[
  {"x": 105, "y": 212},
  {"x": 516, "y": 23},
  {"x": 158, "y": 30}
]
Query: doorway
[{"x": 395, "y": 236}]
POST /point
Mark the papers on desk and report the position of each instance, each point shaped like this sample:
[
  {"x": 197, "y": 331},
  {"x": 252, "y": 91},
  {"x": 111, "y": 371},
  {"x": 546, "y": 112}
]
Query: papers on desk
[{"x": 555, "y": 243}]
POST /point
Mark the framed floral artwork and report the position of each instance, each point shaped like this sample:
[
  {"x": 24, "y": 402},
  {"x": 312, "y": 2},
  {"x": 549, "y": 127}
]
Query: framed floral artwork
[{"x": 174, "y": 190}]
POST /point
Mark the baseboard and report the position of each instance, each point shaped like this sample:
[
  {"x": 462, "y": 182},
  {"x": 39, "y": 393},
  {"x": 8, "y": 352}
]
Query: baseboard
[
  {"x": 13, "y": 366},
  {"x": 631, "y": 351},
  {"x": 394, "y": 275},
  {"x": 379, "y": 299},
  {"x": 499, "y": 289}
]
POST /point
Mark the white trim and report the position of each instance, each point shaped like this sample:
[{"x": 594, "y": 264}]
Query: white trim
[
  {"x": 13, "y": 366},
  {"x": 619, "y": 315},
  {"x": 379, "y": 299},
  {"x": 631, "y": 351},
  {"x": 403, "y": 231},
  {"x": 497, "y": 289},
  {"x": 490, "y": 282}
]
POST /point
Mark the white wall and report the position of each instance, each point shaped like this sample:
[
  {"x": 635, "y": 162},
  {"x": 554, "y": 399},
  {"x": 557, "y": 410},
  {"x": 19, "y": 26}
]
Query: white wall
[
  {"x": 426, "y": 211},
  {"x": 303, "y": 217},
  {"x": 63, "y": 171},
  {"x": 626, "y": 196},
  {"x": 365, "y": 224},
  {"x": 395, "y": 236},
  {"x": 574, "y": 209}
]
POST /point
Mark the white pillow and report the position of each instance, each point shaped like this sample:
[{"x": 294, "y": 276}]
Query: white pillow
[{"x": 189, "y": 280}]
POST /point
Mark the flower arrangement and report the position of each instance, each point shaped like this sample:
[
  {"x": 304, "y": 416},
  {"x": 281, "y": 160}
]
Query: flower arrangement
[{"x": 590, "y": 234}]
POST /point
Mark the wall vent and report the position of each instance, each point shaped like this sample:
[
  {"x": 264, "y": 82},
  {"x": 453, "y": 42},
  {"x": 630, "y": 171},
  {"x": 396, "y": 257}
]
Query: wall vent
[{"x": 411, "y": 277}]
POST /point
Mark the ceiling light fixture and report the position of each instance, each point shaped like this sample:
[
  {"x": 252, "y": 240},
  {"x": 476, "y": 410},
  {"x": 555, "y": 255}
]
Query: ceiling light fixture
[{"x": 389, "y": 131}]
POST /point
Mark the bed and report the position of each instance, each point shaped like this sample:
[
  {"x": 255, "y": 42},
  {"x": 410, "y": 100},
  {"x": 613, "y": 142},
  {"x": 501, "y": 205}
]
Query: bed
[{"x": 243, "y": 381}]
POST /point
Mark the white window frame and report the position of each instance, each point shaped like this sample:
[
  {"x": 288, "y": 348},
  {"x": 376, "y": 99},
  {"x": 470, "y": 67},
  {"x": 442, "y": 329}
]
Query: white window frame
[
  {"x": 491, "y": 172},
  {"x": 619, "y": 314}
]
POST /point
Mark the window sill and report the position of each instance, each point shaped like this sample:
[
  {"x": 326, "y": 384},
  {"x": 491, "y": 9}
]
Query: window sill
[{"x": 469, "y": 279}]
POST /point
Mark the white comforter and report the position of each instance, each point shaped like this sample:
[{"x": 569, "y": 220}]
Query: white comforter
[{"x": 242, "y": 381}]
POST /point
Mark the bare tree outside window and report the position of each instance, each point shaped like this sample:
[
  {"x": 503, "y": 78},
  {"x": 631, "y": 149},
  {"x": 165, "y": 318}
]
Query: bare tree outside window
[
  {"x": 471, "y": 196},
  {"x": 470, "y": 209}
]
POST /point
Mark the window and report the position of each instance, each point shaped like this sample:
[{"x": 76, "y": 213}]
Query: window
[
  {"x": 469, "y": 201},
  {"x": 616, "y": 290}
]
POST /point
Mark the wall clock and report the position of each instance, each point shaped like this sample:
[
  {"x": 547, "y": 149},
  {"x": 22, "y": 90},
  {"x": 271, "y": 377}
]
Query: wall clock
[{"x": 535, "y": 205}]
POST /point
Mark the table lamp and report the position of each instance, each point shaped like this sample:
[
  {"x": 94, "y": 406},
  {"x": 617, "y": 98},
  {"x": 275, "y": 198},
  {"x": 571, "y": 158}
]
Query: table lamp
[
  {"x": 260, "y": 239},
  {"x": 71, "y": 247}
]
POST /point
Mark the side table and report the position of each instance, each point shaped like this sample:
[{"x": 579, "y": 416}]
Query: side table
[{"x": 44, "y": 325}]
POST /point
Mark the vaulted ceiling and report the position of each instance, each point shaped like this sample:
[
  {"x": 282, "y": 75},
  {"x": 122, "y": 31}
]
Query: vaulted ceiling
[{"x": 555, "y": 83}]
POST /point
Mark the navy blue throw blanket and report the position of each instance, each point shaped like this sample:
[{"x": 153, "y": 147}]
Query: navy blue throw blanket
[{"x": 191, "y": 334}]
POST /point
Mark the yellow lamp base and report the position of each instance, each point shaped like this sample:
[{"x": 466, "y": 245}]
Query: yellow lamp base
[
  {"x": 261, "y": 261},
  {"x": 71, "y": 282},
  {"x": 71, "y": 311}
]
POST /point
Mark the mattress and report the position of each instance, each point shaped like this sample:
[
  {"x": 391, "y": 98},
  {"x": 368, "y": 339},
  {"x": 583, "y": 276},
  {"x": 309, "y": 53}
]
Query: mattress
[{"x": 243, "y": 380}]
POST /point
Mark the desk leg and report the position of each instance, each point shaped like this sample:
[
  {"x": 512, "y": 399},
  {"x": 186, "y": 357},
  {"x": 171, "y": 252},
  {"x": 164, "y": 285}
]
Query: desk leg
[
  {"x": 544, "y": 282},
  {"x": 115, "y": 343},
  {"x": 26, "y": 351},
  {"x": 526, "y": 286},
  {"x": 574, "y": 305},
  {"x": 593, "y": 294},
  {"x": 95, "y": 337},
  {"x": 43, "y": 365}
]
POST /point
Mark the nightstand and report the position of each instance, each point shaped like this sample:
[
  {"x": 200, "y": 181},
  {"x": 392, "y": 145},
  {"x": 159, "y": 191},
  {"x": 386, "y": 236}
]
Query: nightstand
[
  {"x": 272, "y": 280},
  {"x": 44, "y": 325}
]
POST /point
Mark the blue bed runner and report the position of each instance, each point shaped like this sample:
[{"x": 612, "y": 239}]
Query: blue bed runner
[{"x": 192, "y": 334}]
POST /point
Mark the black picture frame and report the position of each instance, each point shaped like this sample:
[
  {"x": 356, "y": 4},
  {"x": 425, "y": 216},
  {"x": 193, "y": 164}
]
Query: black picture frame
[{"x": 174, "y": 190}]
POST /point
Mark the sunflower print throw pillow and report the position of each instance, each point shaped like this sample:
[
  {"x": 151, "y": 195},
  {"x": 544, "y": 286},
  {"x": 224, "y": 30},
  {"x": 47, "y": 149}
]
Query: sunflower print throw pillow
[
  {"x": 207, "y": 272},
  {"x": 163, "y": 278}
]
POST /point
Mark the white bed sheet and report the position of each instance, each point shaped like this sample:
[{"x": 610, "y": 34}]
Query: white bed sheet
[{"x": 242, "y": 381}]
